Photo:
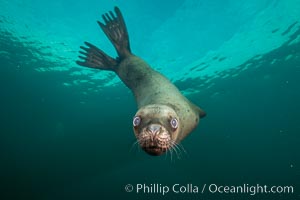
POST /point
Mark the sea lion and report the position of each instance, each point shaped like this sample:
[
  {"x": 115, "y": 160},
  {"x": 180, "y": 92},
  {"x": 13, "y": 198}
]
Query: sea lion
[{"x": 165, "y": 116}]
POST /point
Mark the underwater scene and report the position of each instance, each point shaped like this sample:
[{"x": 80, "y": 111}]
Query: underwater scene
[{"x": 66, "y": 130}]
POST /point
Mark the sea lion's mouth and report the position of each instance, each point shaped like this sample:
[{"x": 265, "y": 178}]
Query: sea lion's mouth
[
  {"x": 154, "y": 139},
  {"x": 154, "y": 150}
]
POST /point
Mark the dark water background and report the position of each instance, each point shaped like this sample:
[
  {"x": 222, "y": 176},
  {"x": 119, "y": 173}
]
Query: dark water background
[{"x": 57, "y": 144}]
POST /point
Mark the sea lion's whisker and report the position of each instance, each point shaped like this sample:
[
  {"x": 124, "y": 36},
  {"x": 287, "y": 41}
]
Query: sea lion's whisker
[
  {"x": 173, "y": 147},
  {"x": 183, "y": 149},
  {"x": 166, "y": 155},
  {"x": 179, "y": 147},
  {"x": 133, "y": 145},
  {"x": 171, "y": 153}
]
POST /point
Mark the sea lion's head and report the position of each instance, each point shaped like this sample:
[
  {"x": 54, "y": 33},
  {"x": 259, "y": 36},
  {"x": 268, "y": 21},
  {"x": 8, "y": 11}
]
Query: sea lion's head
[{"x": 156, "y": 128}]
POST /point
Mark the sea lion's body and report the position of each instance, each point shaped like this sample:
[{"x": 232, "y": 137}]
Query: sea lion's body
[
  {"x": 151, "y": 87},
  {"x": 165, "y": 116}
]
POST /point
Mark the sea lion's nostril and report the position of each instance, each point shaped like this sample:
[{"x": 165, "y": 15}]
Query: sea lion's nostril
[{"x": 154, "y": 128}]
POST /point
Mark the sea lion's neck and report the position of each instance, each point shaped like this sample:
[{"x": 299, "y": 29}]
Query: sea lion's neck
[
  {"x": 134, "y": 72},
  {"x": 147, "y": 85}
]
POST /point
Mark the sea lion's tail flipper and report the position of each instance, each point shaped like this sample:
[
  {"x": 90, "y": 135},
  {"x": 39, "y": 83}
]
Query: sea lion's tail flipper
[
  {"x": 116, "y": 31},
  {"x": 96, "y": 58}
]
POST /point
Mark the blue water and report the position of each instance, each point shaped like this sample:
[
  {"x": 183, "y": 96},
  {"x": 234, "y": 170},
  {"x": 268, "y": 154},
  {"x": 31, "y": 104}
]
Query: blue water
[{"x": 66, "y": 130}]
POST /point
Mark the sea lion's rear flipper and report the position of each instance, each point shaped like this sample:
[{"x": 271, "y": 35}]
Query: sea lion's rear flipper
[
  {"x": 116, "y": 31},
  {"x": 96, "y": 58}
]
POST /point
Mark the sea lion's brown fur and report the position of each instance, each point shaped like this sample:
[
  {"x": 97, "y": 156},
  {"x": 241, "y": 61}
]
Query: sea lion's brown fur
[{"x": 158, "y": 100}]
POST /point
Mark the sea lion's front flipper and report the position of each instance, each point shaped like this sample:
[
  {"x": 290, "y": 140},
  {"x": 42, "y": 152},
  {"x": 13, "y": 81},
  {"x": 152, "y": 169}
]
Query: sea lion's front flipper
[
  {"x": 116, "y": 31},
  {"x": 201, "y": 112},
  {"x": 96, "y": 58}
]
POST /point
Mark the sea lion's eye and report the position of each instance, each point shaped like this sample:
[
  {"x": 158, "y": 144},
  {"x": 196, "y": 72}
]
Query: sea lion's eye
[
  {"x": 136, "y": 121},
  {"x": 174, "y": 123}
]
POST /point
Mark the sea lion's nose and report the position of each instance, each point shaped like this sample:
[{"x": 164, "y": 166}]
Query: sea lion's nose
[{"x": 154, "y": 128}]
